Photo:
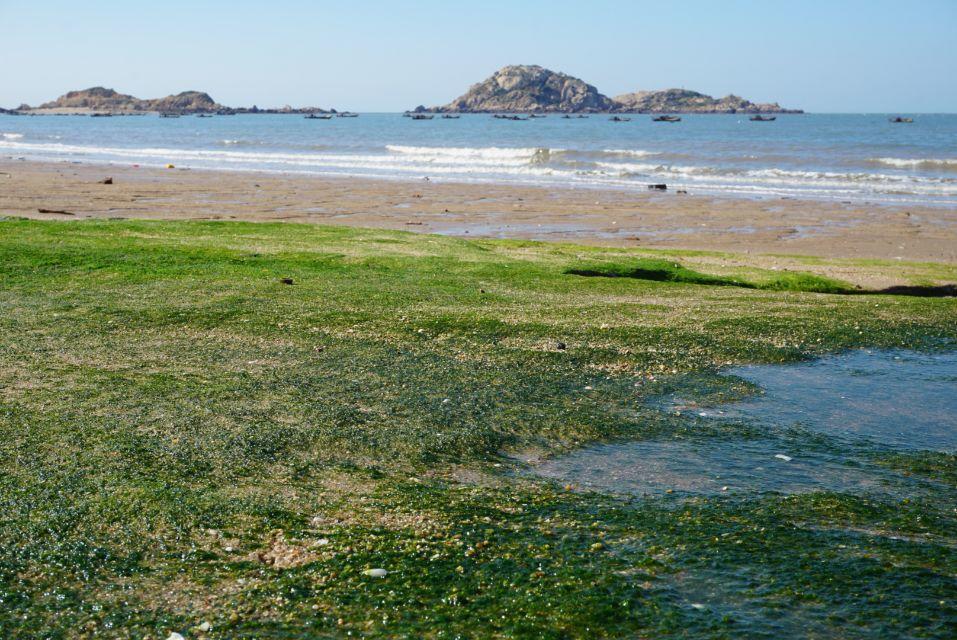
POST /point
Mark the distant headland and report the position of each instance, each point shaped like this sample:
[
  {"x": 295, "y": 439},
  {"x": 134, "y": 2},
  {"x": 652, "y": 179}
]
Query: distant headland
[
  {"x": 534, "y": 89},
  {"x": 102, "y": 101}
]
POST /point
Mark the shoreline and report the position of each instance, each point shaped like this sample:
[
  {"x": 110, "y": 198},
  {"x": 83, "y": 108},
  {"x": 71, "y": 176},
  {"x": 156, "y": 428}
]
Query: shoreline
[{"x": 593, "y": 216}]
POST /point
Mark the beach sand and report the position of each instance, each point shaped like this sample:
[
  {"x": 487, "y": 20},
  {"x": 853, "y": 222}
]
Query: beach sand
[{"x": 765, "y": 229}]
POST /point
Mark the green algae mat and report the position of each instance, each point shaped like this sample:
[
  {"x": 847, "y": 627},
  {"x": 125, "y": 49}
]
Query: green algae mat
[{"x": 229, "y": 430}]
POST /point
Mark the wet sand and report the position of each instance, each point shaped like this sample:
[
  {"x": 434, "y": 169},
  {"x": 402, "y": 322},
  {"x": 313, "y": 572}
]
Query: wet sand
[{"x": 598, "y": 217}]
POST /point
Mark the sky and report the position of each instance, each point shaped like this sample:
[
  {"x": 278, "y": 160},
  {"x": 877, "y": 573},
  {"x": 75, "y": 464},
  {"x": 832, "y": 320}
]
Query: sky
[{"x": 836, "y": 56}]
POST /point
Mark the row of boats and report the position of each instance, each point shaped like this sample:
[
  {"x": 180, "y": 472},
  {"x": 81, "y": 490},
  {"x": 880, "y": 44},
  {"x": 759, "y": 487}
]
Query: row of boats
[
  {"x": 497, "y": 116},
  {"x": 535, "y": 116},
  {"x": 330, "y": 116}
]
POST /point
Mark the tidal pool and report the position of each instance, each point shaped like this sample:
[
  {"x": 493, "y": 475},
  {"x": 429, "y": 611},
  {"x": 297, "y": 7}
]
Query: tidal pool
[
  {"x": 713, "y": 467},
  {"x": 900, "y": 399},
  {"x": 889, "y": 400}
]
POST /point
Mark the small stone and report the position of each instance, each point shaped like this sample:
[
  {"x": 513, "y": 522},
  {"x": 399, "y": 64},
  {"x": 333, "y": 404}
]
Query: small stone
[
  {"x": 560, "y": 345},
  {"x": 725, "y": 488},
  {"x": 375, "y": 573},
  {"x": 205, "y": 626},
  {"x": 287, "y": 281},
  {"x": 106, "y": 181},
  {"x": 175, "y": 636}
]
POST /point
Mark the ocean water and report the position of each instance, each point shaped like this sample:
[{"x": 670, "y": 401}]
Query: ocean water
[{"x": 856, "y": 158}]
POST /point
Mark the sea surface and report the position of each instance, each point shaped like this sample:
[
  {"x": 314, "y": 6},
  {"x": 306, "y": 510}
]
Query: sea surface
[{"x": 855, "y": 158}]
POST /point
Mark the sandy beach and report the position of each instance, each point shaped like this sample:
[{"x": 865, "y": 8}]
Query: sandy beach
[{"x": 588, "y": 216}]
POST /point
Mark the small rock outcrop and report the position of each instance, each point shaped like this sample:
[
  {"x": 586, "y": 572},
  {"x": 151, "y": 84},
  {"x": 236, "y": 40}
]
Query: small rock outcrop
[
  {"x": 100, "y": 100},
  {"x": 686, "y": 101},
  {"x": 185, "y": 102},
  {"x": 529, "y": 89},
  {"x": 94, "y": 99},
  {"x": 103, "y": 100}
]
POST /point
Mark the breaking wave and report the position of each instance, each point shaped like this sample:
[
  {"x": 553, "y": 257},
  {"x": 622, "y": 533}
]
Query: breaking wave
[
  {"x": 939, "y": 164},
  {"x": 632, "y": 168}
]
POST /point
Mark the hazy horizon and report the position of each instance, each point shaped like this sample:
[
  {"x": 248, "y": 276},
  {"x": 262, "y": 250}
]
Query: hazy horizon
[{"x": 858, "y": 57}]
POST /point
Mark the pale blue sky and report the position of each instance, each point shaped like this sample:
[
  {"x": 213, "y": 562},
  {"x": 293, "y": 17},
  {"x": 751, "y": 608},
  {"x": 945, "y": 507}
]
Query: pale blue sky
[{"x": 850, "y": 55}]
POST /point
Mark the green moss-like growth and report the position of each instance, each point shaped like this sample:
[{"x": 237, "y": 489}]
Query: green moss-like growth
[{"x": 187, "y": 438}]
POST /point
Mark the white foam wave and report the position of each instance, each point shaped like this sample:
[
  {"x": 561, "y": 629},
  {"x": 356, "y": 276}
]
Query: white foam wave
[
  {"x": 917, "y": 163},
  {"x": 633, "y": 153},
  {"x": 12, "y": 136}
]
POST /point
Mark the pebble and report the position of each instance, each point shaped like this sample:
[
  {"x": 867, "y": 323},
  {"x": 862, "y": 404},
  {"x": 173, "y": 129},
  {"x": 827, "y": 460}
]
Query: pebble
[
  {"x": 205, "y": 627},
  {"x": 175, "y": 636},
  {"x": 375, "y": 573}
]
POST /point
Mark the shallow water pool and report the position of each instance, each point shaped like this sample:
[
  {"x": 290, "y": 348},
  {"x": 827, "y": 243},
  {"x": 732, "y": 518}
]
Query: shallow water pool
[{"x": 889, "y": 400}]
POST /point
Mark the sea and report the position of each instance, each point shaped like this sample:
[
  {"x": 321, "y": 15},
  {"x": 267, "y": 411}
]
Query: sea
[{"x": 854, "y": 158}]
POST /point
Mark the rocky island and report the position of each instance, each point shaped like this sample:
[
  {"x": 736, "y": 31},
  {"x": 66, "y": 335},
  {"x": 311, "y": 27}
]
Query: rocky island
[
  {"x": 530, "y": 89},
  {"x": 103, "y": 101},
  {"x": 534, "y": 89}
]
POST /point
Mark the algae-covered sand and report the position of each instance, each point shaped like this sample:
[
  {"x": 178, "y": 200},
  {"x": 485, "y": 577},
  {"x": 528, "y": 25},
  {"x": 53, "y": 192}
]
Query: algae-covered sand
[{"x": 218, "y": 429}]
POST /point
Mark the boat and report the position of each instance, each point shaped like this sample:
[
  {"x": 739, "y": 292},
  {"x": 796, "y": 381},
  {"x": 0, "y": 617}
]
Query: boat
[
  {"x": 347, "y": 114},
  {"x": 203, "y": 115},
  {"x": 101, "y": 115},
  {"x": 422, "y": 116},
  {"x": 325, "y": 116},
  {"x": 620, "y": 119},
  {"x": 760, "y": 118},
  {"x": 533, "y": 115},
  {"x": 450, "y": 117},
  {"x": 666, "y": 119},
  {"x": 169, "y": 115},
  {"x": 581, "y": 117},
  {"x": 566, "y": 117},
  {"x": 899, "y": 119}
]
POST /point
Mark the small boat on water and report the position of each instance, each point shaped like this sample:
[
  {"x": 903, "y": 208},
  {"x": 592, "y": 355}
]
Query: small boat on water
[
  {"x": 101, "y": 115},
  {"x": 666, "y": 119},
  {"x": 203, "y": 115},
  {"x": 169, "y": 115},
  {"x": 422, "y": 116},
  {"x": 901, "y": 120},
  {"x": 313, "y": 116},
  {"x": 347, "y": 114},
  {"x": 760, "y": 118},
  {"x": 502, "y": 116},
  {"x": 533, "y": 115},
  {"x": 620, "y": 119},
  {"x": 448, "y": 116}
]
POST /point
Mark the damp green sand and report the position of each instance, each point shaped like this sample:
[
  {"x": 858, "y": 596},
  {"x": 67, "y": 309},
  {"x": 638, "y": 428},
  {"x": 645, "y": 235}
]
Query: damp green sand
[{"x": 218, "y": 429}]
